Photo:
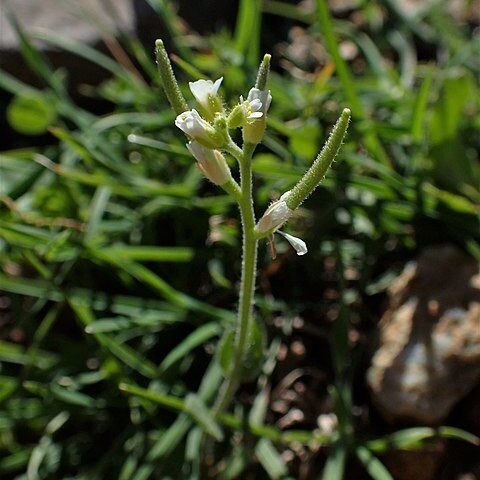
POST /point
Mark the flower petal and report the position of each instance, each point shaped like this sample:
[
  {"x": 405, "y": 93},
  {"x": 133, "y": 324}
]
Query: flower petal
[
  {"x": 274, "y": 217},
  {"x": 211, "y": 162},
  {"x": 216, "y": 85},
  {"x": 192, "y": 124},
  {"x": 263, "y": 96},
  {"x": 201, "y": 89},
  {"x": 297, "y": 243}
]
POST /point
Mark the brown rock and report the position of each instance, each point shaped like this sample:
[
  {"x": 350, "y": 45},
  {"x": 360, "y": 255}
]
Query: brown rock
[{"x": 429, "y": 353}]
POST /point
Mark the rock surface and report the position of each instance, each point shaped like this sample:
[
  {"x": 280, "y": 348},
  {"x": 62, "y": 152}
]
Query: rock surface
[
  {"x": 429, "y": 353},
  {"x": 77, "y": 20}
]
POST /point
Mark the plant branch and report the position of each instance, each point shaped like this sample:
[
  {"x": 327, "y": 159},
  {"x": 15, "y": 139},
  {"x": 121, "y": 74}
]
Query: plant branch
[{"x": 247, "y": 286}]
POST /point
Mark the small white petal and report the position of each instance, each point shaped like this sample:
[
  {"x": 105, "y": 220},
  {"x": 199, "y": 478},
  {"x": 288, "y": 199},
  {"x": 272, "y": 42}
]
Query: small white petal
[
  {"x": 297, "y": 243},
  {"x": 201, "y": 89},
  {"x": 216, "y": 85},
  {"x": 255, "y": 105},
  {"x": 262, "y": 95},
  {"x": 191, "y": 123}
]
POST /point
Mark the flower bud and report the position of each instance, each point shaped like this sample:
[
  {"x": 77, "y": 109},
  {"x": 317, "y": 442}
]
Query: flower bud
[
  {"x": 254, "y": 132},
  {"x": 211, "y": 162},
  {"x": 245, "y": 113},
  {"x": 275, "y": 216},
  {"x": 192, "y": 124}
]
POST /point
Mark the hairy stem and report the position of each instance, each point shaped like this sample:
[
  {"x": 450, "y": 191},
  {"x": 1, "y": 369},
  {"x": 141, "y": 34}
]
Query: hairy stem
[{"x": 247, "y": 286}]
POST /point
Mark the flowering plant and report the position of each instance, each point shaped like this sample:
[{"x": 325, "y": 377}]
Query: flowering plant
[{"x": 209, "y": 139}]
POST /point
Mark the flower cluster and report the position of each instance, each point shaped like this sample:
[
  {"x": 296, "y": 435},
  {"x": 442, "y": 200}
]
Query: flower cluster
[
  {"x": 208, "y": 129},
  {"x": 204, "y": 129},
  {"x": 207, "y": 140}
]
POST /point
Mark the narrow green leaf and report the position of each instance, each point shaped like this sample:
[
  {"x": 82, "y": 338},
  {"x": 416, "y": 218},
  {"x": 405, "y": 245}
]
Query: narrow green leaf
[
  {"x": 144, "y": 253},
  {"x": 270, "y": 459},
  {"x": 263, "y": 431},
  {"x": 192, "y": 341},
  {"x": 247, "y": 30},
  {"x": 97, "y": 209},
  {"x": 73, "y": 397},
  {"x": 151, "y": 279},
  {"x": 15, "y": 461},
  {"x": 145, "y": 119},
  {"x": 154, "y": 321},
  {"x": 129, "y": 467},
  {"x": 410, "y": 438},
  {"x": 13, "y": 353},
  {"x": 346, "y": 78},
  {"x": 419, "y": 127},
  {"x": 176, "y": 404},
  {"x": 335, "y": 465},
  {"x": 85, "y": 51},
  {"x": 456, "y": 202},
  {"x": 13, "y": 85},
  {"x": 196, "y": 407},
  {"x": 373, "y": 465},
  {"x": 35, "y": 60},
  {"x": 259, "y": 408},
  {"x": 8, "y": 386},
  {"x": 236, "y": 463},
  {"x": 118, "y": 304},
  {"x": 144, "y": 472},
  {"x": 193, "y": 448},
  {"x": 123, "y": 352},
  {"x": 458, "y": 434},
  {"x": 169, "y": 439}
]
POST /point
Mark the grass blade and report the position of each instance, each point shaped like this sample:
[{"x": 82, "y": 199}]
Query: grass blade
[
  {"x": 335, "y": 465},
  {"x": 196, "y": 407},
  {"x": 373, "y": 465},
  {"x": 247, "y": 30},
  {"x": 370, "y": 138},
  {"x": 270, "y": 459},
  {"x": 123, "y": 352},
  {"x": 195, "y": 339}
]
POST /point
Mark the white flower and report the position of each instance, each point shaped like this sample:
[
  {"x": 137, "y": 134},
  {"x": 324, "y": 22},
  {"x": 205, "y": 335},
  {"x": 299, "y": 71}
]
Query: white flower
[
  {"x": 251, "y": 109},
  {"x": 297, "y": 243},
  {"x": 191, "y": 123},
  {"x": 275, "y": 215},
  {"x": 211, "y": 162},
  {"x": 203, "y": 89},
  {"x": 262, "y": 96},
  {"x": 253, "y": 131}
]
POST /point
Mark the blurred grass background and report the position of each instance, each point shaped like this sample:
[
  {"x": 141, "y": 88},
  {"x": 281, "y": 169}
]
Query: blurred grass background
[{"x": 118, "y": 263}]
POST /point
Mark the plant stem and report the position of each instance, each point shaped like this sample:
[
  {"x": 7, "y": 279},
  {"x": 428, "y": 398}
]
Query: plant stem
[{"x": 247, "y": 286}]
